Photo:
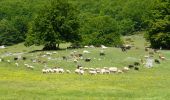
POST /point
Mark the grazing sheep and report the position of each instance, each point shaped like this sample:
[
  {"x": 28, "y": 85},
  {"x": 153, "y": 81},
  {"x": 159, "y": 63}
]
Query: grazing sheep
[
  {"x": 55, "y": 70},
  {"x": 15, "y": 58},
  {"x": 136, "y": 68},
  {"x": 68, "y": 71},
  {"x": 85, "y": 69},
  {"x": 24, "y": 58},
  {"x": 75, "y": 60},
  {"x": 79, "y": 71},
  {"x": 85, "y": 51},
  {"x": 119, "y": 71},
  {"x": 103, "y": 47},
  {"x": 17, "y": 64},
  {"x": 136, "y": 63},
  {"x": 105, "y": 70},
  {"x": 91, "y": 46},
  {"x": 102, "y": 53},
  {"x": 125, "y": 69},
  {"x": 82, "y": 72},
  {"x": 98, "y": 70},
  {"x": 113, "y": 69},
  {"x": 45, "y": 71},
  {"x": 8, "y": 61},
  {"x": 131, "y": 66},
  {"x": 64, "y": 58},
  {"x": 50, "y": 70},
  {"x": 157, "y": 61},
  {"x": 92, "y": 72},
  {"x": 48, "y": 53},
  {"x": 87, "y": 59},
  {"x": 30, "y": 67},
  {"x": 123, "y": 48},
  {"x": 128, "y": 47},
  {"x": 91, "y": 68},
  {"x": 86, "y": 46},
  {"x": 161, "y": 57},
  {"x": 60, "y": 70},
  {"x": 78, "y": 66}
]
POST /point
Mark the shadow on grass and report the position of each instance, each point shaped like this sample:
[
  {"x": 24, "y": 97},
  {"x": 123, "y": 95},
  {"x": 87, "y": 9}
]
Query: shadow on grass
[{"x": 58, "y": 49}]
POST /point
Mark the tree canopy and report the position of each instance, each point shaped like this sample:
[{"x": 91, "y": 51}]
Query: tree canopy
[
  {"x": 119, "y": 17},
  {"x": 159, "y": 30},
  {"x": 55, "y": 24}
]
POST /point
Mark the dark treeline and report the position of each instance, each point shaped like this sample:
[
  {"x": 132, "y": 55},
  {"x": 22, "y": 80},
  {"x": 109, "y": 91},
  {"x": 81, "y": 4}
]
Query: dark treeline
[{"x": 101, "y": 21}]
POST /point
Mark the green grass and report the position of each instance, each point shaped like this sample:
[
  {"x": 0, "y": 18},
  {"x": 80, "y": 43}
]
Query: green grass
[{"x": 20, "y": 83}]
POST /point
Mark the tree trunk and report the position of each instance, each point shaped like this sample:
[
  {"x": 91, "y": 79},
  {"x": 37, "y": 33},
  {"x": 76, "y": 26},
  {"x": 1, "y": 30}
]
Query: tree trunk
[{"x": 50, "y": 47}]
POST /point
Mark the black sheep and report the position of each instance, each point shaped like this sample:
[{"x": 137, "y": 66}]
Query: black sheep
[
  {"x": 157, "y": 61},
  {"x": 87, "y": 60},
  {"x": 123, "y": 48},
  {"x": 136, "y": 63},
  {"x": 15, "y": 58},
  {"x": 102, "y": 53},
  {"x": 64, "y": 58},
  {"x": 130, "y": 66},
  {"x": 136, "y": 68},
  {"x": 24, "y": 58}
]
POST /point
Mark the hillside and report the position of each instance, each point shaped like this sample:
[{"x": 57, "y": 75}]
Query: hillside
[{"x": 23, "y": 83}]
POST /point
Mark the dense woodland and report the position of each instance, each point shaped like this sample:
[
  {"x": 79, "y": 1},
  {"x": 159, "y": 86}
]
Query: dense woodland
[{"x": 83, "y": 22}]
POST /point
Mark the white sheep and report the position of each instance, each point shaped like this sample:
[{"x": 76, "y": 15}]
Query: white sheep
[
  {"x": 125, "y": 69},
  {"x": 17, "y": 64},
  {"x": 113, "y": 69},
  {"x": 82, "y": 72},
  {"x": 86, "y": 46},
  {"x": 103, "y": 47},
  {"x": 8, "y": 61},
  {"x": 75, "y": 60},
  {"x": 79, "y": 71},
  {"x": 56, "y": 70},
  {"x": 31, "y": 67},
  {"x": 85, "y": 51},
  {"x": 60, "y": 70},
  {"x": 119, "y": 71},
  {"x": 102, "y": 71},
  {"x": 68, "y": 71},
  {"x": 92, "y": 72},
  {"x": 44, "y": 71}
]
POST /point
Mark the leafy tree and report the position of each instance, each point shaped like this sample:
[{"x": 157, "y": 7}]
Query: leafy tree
[
  {"x": 55, "y": 24},
  {"x": 159, "y": 31},
  {"x": 101, "y": 30},
  {"x": 9, "y": 32}
]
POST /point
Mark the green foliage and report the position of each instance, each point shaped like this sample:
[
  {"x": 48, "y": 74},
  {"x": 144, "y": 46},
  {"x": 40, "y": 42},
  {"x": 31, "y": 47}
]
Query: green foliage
[
  {"x": 55, "y": 24},
  {"x": 100, "y": 30},
  {"x": 159, "y": 32},
  {"x": 128, "y": 17}
]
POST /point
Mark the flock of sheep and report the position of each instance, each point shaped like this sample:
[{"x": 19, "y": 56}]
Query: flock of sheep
[
  {"x": 76, "y": 57},
  {"x": 91, "y": 71}
]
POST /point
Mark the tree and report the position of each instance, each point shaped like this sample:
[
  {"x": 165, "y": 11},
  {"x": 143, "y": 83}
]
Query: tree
[
  {"x": 55, "y": 24},
  {"x": 100, "y": 30},
  {"x": 159, "y": 31}
]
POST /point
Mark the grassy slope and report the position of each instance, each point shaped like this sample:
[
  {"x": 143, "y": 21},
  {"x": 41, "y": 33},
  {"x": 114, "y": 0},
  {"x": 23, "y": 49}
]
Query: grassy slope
[{"x": 147, "y": 84}]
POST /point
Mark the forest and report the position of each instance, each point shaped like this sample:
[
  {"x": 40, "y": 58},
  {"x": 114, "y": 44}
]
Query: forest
[{"x": 84, "y": 22}]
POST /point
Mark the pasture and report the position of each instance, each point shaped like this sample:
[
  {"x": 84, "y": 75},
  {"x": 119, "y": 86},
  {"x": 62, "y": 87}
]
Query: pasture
[{"x": 21, "y": 83}]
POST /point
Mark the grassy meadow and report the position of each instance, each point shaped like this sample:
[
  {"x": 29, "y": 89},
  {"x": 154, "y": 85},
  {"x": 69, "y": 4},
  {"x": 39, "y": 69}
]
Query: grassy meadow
[{"x": 21, "y": 83}]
